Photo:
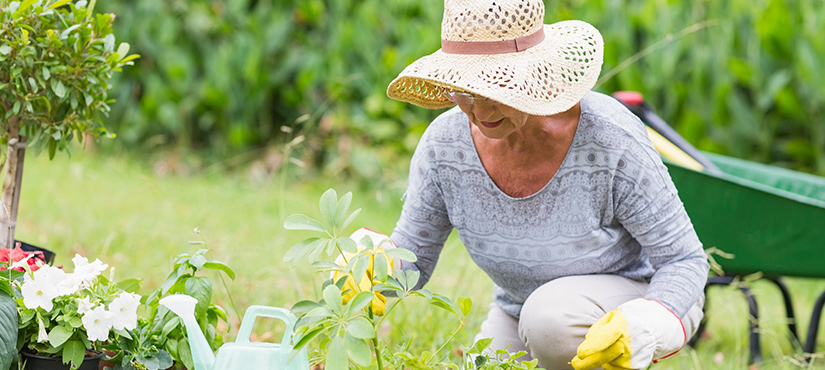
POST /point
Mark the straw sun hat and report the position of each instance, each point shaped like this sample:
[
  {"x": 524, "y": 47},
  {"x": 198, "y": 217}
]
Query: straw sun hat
[{"x": 502, "y": 50}]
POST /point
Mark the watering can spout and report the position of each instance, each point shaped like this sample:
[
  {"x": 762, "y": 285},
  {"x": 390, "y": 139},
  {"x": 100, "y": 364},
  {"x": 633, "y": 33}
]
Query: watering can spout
[{"x": 184, "y": 306}]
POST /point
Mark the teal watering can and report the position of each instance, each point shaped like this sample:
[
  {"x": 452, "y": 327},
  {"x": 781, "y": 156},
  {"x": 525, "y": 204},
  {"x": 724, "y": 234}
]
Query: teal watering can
[{"x": 241, "y": 354}]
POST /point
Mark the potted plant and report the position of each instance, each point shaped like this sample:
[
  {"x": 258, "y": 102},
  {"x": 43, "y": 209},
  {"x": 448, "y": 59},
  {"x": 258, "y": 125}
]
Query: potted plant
[
  {"x": 343, "y": 324},
  {"x": 160, "y": 340},
  {"x": 56, "y": 58},
  {"x": 62, "y": 318}
]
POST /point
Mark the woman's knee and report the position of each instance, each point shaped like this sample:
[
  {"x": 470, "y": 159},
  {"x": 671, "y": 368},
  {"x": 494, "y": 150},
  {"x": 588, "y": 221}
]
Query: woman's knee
[
  {"x": 555, "y": 318},
  {"x": 553, "y": 322}
]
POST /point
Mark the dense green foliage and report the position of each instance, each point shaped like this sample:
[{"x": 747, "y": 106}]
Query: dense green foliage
[
  {"x": 56, "y": 59},
  {"x": 739, "y": 77}
]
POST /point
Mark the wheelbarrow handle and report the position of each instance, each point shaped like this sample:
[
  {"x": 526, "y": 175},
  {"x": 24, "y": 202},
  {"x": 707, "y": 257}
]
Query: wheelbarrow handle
[{"x": 635, "y": 102}]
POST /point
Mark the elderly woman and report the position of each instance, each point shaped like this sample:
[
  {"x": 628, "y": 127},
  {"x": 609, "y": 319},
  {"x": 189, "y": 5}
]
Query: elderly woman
[{"x": 556, "y": 192}]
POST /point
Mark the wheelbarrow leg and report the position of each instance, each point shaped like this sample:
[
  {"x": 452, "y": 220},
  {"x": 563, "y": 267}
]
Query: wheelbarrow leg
[
  {"x": 810, "y": 343},
  {"x": 789, "y": 312},
  {"x": 753, "y": 322}
]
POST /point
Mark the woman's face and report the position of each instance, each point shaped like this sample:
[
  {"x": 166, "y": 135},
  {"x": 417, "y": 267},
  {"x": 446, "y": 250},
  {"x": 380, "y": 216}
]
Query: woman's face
[{"x": 494, "y": 120}]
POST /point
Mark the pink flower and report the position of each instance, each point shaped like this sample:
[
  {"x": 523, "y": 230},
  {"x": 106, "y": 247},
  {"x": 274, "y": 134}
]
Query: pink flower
[{"x": 10, "y": 256}]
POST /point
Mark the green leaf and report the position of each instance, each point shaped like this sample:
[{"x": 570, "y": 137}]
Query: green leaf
[
  {"x": 123, "y": 49},
  {"x": 402, "y": 254},
  {"x": 332, "y": 297},
  {"x": 347, "y": 245},
  {"x": 360, "y": 270},
  {"x": 185, "y": 354},
  {"x": 8, "y": 330},
  {"x": 325, "y": 266},
  {"x": 380, "y": 267},
  {"x": 327, "y": 205},
  {"x": 304, "y": 306},
  {"x": 130, "y": 285},
  {"x": 170, "y": 325},
  {"x": 197, "y": 261},
  {"x": 74, "y": 351},
  {"x": 480, "y": 346},
  {"x": 360, "y": 328},
  {"x": 351, "y": 218},
  {"x": 220, "y": 266},
  {"x": 358, "y": 350},
  {"x": 341, "y": 209},
  {"x": 128, "y": 59},
  {"x": 59, "y": 335},
  {"x": 5, "y": 50},
  {"x": 412, "y": 279},
  {"x": 58, "y": 4},
  {"x": 200, "y": 288},
  {"x": 444, "y": 303},
  {"x": 360, "y": 301},
  {"x": 318, "y": 247},
  {"x": 336, "y": 355},
  {"x": 25, "y": 5},
  {"x": 59, "y": 89},
  {"x": 330, "y": 248},
  {"x": 65, "y": 34},
  {"x": 5, "y": 287},
  {"x": 299, "y": 251},
  {"x": 322, "y": 311},
  {"x": 425, "y": 293},
  {"x": 466, "y": 304},
  {"x": 303, "y": 222},
  {"x": 160, "y": 360},
  {"x": 307, "y": 337}
]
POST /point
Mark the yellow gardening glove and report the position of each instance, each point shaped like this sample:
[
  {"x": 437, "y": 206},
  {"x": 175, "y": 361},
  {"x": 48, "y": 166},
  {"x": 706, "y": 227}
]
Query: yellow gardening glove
[
  {"x": 606, "y": 344},
  {"x": 366, "y": 283},
  {"x": 632, "y": 336}
]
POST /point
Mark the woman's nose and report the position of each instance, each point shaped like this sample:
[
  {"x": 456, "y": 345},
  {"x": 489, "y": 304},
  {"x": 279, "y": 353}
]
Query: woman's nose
[{"x": 482, "y": 109}]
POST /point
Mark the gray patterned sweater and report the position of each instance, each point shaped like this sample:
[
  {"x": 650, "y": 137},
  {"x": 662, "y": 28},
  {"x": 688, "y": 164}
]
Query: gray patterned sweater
[{"x": 610, "y": 209}]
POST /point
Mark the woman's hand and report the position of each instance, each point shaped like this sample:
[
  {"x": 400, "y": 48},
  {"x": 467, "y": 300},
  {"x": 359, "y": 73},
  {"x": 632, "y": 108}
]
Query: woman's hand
[{"x": 631, "y": 337}]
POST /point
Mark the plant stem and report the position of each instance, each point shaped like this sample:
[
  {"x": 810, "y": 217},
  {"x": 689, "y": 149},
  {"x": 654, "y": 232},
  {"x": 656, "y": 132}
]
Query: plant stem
[
  {"x": 452, "y": 336},
  {"x": 375, "y": 348},
  {"x": 387, "y": 312}
]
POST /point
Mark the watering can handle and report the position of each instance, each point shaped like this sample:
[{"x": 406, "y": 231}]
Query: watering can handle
[{"x": 254, "y": 312}]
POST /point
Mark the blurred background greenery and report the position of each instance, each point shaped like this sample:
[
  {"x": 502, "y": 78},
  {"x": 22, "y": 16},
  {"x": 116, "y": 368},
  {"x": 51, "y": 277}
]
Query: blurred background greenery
[{"x": 242, "y": 79}]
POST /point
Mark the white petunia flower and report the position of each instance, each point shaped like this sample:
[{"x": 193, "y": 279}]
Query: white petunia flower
[
  {"x": 84, "y": 305},
  {"x": 42, "y": 336},
  {"x": 68, "y": 284},
  {"x": 24, "y": 263},
  {"x": 38, "y": 293},
  {"x": 86, "y": 271},
  {"x": 97, "y": 323},
  {"x": 46, "y": 273},
  {"x": 124, "y": 311}
]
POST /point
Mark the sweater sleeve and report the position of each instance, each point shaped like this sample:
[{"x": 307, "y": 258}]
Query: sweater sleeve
[
  {"x": 648, "y": 206},
  {"x": 424, "y": 225}
]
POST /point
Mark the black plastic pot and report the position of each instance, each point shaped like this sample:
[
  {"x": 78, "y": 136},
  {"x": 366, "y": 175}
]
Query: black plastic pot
[
  {"x": 37, "y": 362},
  {"x": 47, "y": 254}
]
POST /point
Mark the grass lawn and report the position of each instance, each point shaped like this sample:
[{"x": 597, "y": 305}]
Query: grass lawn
[{"x": 120, "y": 211}]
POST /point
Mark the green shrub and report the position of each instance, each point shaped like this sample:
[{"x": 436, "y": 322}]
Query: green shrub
[{"x": 744, "y": 78}]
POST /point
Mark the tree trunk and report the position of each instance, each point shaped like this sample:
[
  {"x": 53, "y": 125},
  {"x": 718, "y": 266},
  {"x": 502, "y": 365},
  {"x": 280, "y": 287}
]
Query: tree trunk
[{"x": 12, "y": 179}]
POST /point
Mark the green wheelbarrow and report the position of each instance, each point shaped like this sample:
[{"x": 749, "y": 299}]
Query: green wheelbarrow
[{"x": 768, "y": 218}]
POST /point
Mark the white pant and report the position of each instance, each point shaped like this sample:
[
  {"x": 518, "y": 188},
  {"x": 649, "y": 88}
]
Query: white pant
[{"x": 555, "y": 318}]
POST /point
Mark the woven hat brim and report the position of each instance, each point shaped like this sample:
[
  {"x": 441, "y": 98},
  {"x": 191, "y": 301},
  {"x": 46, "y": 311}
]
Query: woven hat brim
[{"x": 546, "y": 79}]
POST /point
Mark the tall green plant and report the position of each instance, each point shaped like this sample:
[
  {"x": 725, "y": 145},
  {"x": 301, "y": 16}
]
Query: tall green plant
[
  {"x": 345, "y": 321},
  {"x": 56, "y": 59}
]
